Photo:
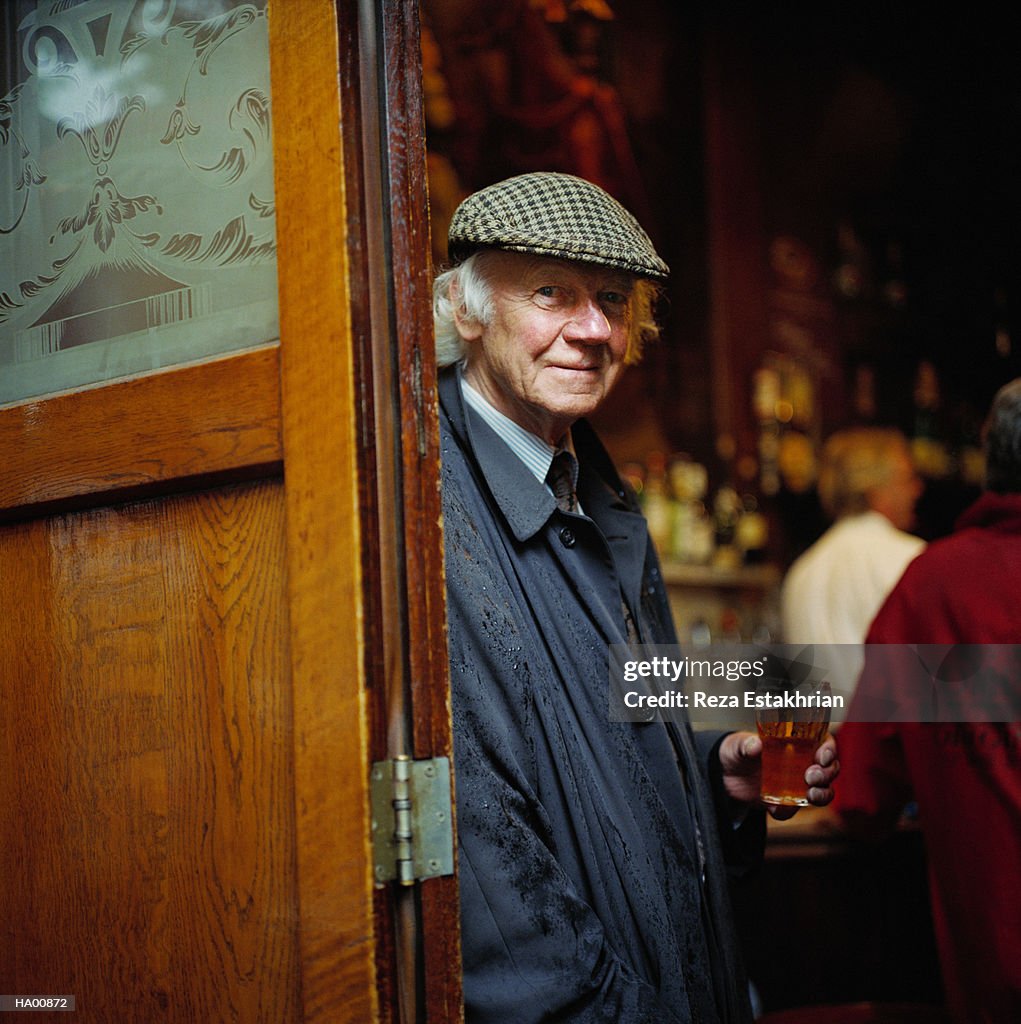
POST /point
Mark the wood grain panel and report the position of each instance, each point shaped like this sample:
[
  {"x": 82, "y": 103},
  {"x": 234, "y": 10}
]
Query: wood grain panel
[
  {"x": 188, "y": 426},
  {"x": 148, "y": 861},
  {"x": 189, "y": 767},
  {"x": 323, "y": 521}
]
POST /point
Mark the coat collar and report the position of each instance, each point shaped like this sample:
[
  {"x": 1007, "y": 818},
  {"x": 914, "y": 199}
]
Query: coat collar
[
  {"x": 993, "y": 511},
  {"x": 527, "y": 505}
]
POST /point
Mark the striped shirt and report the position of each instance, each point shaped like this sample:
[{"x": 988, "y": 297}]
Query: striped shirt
[{"x": 533, "y": 451}]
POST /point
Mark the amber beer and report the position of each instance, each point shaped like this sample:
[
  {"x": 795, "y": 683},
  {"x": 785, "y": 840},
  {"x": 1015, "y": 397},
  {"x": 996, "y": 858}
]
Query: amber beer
[
  {"x": 790, "y": 737},
  {"x": 788, "y": 748}
]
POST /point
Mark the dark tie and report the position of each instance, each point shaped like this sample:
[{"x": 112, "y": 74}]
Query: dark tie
[{"x": 561, "y": 477}]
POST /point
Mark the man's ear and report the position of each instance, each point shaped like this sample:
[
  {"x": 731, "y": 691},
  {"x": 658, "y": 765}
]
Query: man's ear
[{"x": 469, "y": 329}]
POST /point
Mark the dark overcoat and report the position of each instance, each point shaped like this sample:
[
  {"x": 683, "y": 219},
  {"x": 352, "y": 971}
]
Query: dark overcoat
[{"x": 593, "y": 883}]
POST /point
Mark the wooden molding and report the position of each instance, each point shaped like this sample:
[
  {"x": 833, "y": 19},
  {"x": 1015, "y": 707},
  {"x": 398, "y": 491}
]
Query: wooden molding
[
  {"x": 414, "y": 365},
  {"x": 324, "y": 521},
  {"x": 171, "y": 430}
]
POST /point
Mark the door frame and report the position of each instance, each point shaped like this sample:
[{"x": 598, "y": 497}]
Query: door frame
[{"x": 345, "y": 410}]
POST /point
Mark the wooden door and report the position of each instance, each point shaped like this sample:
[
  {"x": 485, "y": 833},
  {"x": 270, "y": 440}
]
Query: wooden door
[{"x": 207, "y": 619}]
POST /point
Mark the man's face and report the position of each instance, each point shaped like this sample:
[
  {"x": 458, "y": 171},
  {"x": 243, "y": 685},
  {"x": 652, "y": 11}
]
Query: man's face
[{"x": 556, "y": 342}]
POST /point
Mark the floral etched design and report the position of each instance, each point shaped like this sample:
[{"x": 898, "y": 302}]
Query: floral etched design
[
  {"x": 106, "y": 210},
  {"x": 206, "y": 35},
  {"x": 98, "y": 127},
  {"x": 29, "y": 175},
  {"x": 115, "y": 227}
]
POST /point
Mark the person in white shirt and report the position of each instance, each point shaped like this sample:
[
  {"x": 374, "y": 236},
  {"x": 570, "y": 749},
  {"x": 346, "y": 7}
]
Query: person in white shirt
[{"x": 869, "y": 487}]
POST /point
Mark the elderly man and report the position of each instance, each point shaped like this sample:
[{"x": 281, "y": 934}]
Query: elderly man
[{"x": 592, "y": 853}]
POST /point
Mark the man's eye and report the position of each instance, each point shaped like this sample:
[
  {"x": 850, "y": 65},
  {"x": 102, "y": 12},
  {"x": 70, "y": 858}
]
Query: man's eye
[
  {"x": 548, "y": 291},
  {"x": 615, "y": 302}
]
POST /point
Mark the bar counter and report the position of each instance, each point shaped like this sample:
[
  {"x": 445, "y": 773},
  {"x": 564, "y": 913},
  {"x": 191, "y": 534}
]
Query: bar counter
[{"x": 832, "y": 919}]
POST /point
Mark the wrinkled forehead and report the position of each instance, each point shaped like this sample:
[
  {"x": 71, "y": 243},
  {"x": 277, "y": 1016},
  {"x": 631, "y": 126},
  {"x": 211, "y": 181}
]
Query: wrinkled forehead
[{"x": 528, "y": 270}]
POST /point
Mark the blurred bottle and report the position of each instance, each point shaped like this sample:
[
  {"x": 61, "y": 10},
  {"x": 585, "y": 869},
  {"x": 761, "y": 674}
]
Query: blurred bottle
[
  {"x": 701, "y": 635},
  {"x": 852, "y": 276},
  {"x": 726, "y": 513},
  {"x": 928, "y": 445},
  {"x": 863, "y": 395},
  {"x": 730, "y": 627},
  {"x": 693, "y": 531},
  {"x": 657, "y": 504},
  {"x": 752, "y": 532},
  {"x": 766, "y": 393}
]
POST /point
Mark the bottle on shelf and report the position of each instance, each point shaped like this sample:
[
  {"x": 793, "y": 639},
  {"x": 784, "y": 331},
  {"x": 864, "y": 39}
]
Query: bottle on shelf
[
  {"x": 726, "y": 513},
  {"x": 700, "y": 635},
  {"x": 693, "y": 531},
  {"x": 928, "y": 446},
  {"x": 752, "y": 532},
  {"x": 730, "y": 626},
  {"x": 657, "y": 504}
]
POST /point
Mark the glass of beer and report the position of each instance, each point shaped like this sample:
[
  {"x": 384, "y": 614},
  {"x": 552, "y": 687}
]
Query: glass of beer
[{"x": 792, "y": 722}]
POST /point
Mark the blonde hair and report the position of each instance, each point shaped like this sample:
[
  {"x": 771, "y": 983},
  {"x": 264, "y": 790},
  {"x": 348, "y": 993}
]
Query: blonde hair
[
  {"x": 466, "y": 290},
  {"x": 853, "y": 463}
]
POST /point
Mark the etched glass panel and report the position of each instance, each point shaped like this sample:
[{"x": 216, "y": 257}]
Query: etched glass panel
[{"x": 136, "y": 188}]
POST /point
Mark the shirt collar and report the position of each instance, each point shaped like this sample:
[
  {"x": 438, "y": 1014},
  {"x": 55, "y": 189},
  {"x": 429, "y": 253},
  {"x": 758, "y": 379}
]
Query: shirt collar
[
  {"x": 533, "y": 451},
  {"x": 528, "y": 504}
]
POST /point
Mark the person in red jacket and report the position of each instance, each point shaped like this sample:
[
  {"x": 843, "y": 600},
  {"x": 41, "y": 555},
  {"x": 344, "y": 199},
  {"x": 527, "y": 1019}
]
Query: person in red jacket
[{"x": 964, "y": 775}]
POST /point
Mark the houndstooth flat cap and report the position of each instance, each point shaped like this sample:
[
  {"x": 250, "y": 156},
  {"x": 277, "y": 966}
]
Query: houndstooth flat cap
[{"x": 551, "y": 214}]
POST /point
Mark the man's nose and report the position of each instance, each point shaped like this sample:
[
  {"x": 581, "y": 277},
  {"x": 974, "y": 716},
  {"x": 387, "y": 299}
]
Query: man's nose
[{"x": 588, "y": 323}]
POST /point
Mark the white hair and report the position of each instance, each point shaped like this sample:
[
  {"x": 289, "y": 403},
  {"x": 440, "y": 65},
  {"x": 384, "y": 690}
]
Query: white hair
[
  {"x": 463, "y": 291},
  {"x": 466, "y": 291}
]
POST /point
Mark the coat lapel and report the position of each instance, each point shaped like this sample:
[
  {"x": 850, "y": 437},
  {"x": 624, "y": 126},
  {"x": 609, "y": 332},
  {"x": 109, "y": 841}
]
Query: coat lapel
[
  {"x": 605, "y": 499},
  {"x": 524, "y": 502},
  {"x": 528, "y": 507}
]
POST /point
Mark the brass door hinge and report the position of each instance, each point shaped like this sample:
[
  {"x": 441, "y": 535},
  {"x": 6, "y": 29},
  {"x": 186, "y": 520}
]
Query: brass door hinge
[{"x": 412, "y": 820}]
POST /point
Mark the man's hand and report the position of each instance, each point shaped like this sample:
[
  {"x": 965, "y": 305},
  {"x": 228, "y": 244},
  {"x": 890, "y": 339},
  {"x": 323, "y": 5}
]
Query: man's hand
[{"x": 741, "y": 758}]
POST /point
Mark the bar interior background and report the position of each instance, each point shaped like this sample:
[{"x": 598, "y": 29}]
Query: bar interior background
[{"x": 834, "y": 189}]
